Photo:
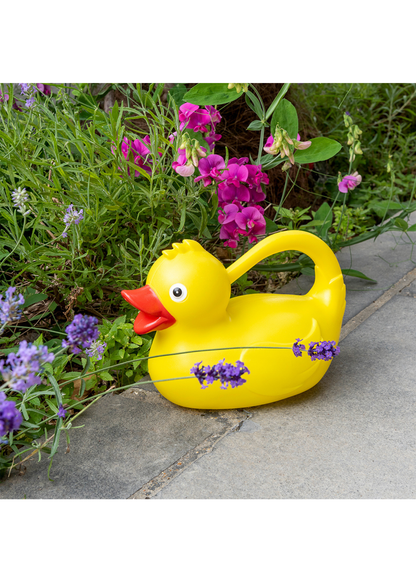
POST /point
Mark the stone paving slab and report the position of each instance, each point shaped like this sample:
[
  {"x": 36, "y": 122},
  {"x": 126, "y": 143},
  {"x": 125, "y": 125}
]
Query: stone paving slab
[
  {"x": 351, "y": 436},
  {"x": 127, "y": 440}
]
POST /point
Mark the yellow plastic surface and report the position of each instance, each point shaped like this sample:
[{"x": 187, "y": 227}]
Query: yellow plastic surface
[{"x": 207, "y": 318}]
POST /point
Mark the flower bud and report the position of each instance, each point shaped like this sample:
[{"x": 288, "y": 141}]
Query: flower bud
[
  {"x": 231, "y": 85},
  {"x": 188, "y": 151},
  {"x": 286, "y": 166},
  {"x": 287, "y": 138},
  {"x": 357, "y": 148},
  {"x": 347, "y": 120},
  {"x": 356, "y": 131},
  {"x": 195, "y": 159},
  {"x": 350, "y": 139}
]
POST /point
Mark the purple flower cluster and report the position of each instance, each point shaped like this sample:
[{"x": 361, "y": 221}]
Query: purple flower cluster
[
  {"x": 43, "y": 88},
  {"x": 325, "y": 350},
  {"x": 21, "y": 368},
  {"x": 72, "y": 216},
  {"x": 96, "y": 349},
  {"x": 297, "y": 347},
  {"x": 10, "y": 417},
  {"x": 9, "y": 307},
  {"x": 61, "y": 411},
  {"x": 5, "y": 97},
  {"x": 81, "y": 333},
  {"x": 29, "y": 90},
  {"x": 228, "y": 374}
]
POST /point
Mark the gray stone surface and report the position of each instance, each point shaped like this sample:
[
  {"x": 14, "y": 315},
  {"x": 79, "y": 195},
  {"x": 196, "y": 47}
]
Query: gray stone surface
[
  {"x": 386, "y": 260},
  {"x": 127, "y": 440},
  {"x": 351, "y": 436}
]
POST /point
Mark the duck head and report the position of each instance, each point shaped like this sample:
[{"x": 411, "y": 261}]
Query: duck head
[{"x": 186, "y": 284}]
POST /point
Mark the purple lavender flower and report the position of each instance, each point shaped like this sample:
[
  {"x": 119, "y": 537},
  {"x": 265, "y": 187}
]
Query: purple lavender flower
[
  {"x": 24, "y": 88},
  {"x": 23, "y": 366},
  {"x": 61, "y": 411},
  {"x": 10, "y": 417},
  {"x": 9, "y": 307},
  {"x": 20, "y": 197},
  {"x": 81, "y": 333},
  {"x": 227, "y": 373},
  {"x": 72, "y": 216},
  {"x": 96, "y": 349},
  {"x": 297, "y": 347},
  {"x": 325, "y": 350}
]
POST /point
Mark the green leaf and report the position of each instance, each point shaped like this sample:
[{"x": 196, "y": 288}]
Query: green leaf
[
  {"x": 402, "y": 224},
  {"x": 355, "y": 273},
  {"x": 321, "y": 149},
  {"x": 254, "y": 104},
  {"x": 324, "y": 213},
  {"x": 34, "y": 299},
  {"x": 286, "y": 116},
  {"x": 211, "y": 94},
  {"x": 178, "y": 93},
  {"x": 105, "y": 376},
  {"x": 277, "y": 99},
  {"x": 256, "y": 125},
  {"x": 412, "y": 228}
]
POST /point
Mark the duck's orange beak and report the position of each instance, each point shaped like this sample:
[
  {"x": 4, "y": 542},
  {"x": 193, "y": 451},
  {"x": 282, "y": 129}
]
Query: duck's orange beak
[{"x": 153, "y": 315}]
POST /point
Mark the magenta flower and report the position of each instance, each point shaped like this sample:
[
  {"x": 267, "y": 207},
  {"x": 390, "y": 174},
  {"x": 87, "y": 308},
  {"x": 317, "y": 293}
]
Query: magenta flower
[
  {"x": 252, "y": 219},
  {"x": 45, "y": 89},
  {"x": 183, "y": 166},
  {"x": 193, "y": 118},
  {"x": 211, "y": 138},
  {"x": 229, "y": 228},
  {"x": 269, "y": 148},
  {"x": 235, "y": 174},
  {"x": 228, "y": 194},
  {"x": 209, "y": 168},
  {"x": 140, "y": 152},
  {"x": 256, "y": 177},
  {"x": 4, "y": 97},
  {"x": 214, "y": 114},
  {"x": 349, "y": 182},
  {"x": 239, "y": 161}
]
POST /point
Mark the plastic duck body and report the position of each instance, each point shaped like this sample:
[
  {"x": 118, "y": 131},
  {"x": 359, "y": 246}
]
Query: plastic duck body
[{"x": 187, "y": 300}]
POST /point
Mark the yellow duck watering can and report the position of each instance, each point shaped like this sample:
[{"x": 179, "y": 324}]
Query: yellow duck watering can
[{"x": 186, "y": 299}]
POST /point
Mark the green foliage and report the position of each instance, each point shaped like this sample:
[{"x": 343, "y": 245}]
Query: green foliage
[{"x": 66, "y": 150}]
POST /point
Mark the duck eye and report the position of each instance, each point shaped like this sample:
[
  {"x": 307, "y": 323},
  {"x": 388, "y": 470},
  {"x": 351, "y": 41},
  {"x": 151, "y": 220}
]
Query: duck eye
[{"x": 178, "y": 292}]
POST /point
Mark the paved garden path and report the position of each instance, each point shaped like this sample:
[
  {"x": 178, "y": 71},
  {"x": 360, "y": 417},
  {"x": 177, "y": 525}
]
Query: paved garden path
[{"x": 351, "y": 436}]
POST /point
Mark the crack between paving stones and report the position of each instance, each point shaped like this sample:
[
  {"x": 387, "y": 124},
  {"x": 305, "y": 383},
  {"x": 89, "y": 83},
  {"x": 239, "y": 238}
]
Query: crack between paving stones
[
  {"x": 377, "y": 304},
  {"x": 155, "y": 485}
]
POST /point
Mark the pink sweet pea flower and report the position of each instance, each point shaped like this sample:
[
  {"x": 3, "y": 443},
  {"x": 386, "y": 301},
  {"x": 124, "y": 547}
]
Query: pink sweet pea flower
[
  {"x": 193, "y": 118},
  {"x": 183, "y": 166},
  {"x": 239, "y": 161},
  {"x": 211, "y": 138},
  {"x": 45, "y": 89},
  {"x": 302, "y": 145},
  {"x": 230, "y": 193},
  {"x": 235, "y": 174},
  {"x": 209, "y": 168},
  {"x": 229, "y": 228},
  {"x": 349, "y": 182},
  {"x": 268, "y": 147},
  {"x": 214, "y": 114},
  {"x": 252, "y": 219},
  {"x": 256, "y": 177}
]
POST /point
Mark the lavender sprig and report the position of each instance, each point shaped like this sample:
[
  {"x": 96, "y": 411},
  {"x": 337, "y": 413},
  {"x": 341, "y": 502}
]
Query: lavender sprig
[
  {"x": 72, "y": 216},
  {"x": 20, "y": 370},
  {"x": 325, "y": 350},
  {"x": 10, "y": 417},
  {"x": 81, "y": 333},
  {"x": 9, "y": 307},
  {"x": 228, "y": 374},
  {"x": 20, "y": 197}
]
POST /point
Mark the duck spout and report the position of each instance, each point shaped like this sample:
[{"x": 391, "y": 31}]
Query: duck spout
[{"x": 153, "y": 315}]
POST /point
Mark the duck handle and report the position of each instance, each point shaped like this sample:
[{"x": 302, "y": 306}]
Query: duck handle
[{"x": 326, "y": 264}]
